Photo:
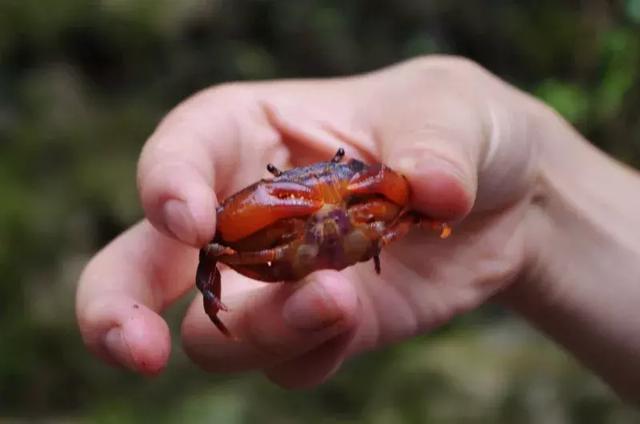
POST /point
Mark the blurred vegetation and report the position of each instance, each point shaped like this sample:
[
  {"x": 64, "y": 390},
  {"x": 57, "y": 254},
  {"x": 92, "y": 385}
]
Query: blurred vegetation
[{"x": 83, "y": 83}]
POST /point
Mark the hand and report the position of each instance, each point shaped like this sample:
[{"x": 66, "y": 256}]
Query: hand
[{"x": 461, "y": 137}]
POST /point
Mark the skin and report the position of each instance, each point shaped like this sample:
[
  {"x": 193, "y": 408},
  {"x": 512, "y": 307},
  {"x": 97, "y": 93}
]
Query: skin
[{"x": 545, "y": 224}]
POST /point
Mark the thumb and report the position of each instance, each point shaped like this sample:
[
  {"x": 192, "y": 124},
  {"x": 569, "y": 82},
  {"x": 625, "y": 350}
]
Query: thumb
[
  {"x": 433, "y": 128},
  {"x": 441, "y": 172}
]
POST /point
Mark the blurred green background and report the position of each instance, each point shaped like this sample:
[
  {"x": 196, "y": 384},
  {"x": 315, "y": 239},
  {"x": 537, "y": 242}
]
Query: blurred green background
[{"x": 83, "y": 83}]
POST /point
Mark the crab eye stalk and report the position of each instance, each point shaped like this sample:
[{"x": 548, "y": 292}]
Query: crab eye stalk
[
  {"x": 273, "y": 170},
  {"x": 338, "y": 156}
]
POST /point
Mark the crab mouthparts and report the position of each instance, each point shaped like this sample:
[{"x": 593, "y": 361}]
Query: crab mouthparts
[{"x": 329, "y": 226}]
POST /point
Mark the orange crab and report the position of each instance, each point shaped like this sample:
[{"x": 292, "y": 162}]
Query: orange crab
[{"x": 329, "y": 215}]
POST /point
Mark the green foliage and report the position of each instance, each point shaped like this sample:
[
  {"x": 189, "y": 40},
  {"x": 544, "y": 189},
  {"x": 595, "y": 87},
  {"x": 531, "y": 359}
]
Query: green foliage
[{"x": 83, "y": 83}]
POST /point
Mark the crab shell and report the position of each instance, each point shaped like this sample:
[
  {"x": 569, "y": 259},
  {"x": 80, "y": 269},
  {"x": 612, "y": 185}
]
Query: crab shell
[
  {"x": 325, "y": 216},
  {"x": 328, "y": 215}
]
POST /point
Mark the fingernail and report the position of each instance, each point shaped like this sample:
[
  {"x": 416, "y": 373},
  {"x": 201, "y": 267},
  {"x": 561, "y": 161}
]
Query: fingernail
[
  {"x": 118, "y": 348},
  {"x": 427, "y": 164},
  {"x": 311, "y": 308},
  {"x": 179, "y": 221}
]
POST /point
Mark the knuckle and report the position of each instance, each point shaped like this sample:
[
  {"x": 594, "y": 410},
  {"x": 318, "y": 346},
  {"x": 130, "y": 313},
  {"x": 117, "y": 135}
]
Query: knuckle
[
  {"x": 201, "y": 347},
  {"x": 196, "y": 353},
  {"x": 224, "y": 96},
  {"x": 262, "y": 334},
  {"x": 458, "y": 68},
  {"x": 225, "y": 93},
  {"x": 227, "y": 96}
]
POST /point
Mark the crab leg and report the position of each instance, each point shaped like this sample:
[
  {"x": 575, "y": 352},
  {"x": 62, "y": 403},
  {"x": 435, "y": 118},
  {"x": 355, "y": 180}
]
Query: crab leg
[
  {"x": 375, "y": 210},
  {"x": 208, "y": 278},
  {"x": 401, "y": 227},
  {"x": 208, "y": 282},
  {"x": 258, "y": 257}
]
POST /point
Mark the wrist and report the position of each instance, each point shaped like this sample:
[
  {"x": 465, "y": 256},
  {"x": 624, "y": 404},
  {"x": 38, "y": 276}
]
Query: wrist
[
  {"x": 581, "y": 282},
  {"x": 583, "y": 217}
]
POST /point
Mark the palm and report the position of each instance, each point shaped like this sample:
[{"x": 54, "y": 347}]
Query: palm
[{"x": 426, "y": 281}]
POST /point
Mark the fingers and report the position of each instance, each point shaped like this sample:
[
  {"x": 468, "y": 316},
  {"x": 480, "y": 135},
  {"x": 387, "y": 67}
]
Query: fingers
[
  {"x": 121, "y": 292},
  {"x": 124, "y": 332},
  {"x": 433, "y": 119},
  {"x": 314, "y": 367},
  {"x": 460, "y": 135},
  {"x": 276, "y": 324},
  {"x": 221, "y": 140},
  {"x": 436, "y": 138},
  {"x": 199, "y": 150},
  {"x": 174, "y": 179}
]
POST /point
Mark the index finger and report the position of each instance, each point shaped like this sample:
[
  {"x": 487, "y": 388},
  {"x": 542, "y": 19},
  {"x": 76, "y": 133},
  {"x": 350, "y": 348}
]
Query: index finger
[
  {"x": 198, "y": 150},
  {"x": 221, "y": 140}
]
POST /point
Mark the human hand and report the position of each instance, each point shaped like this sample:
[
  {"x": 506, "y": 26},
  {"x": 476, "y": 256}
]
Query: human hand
[{"x": 462, "y": 138}]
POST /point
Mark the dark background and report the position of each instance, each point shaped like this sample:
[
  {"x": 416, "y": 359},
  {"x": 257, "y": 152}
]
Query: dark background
[{"x": 83, "y": 83}]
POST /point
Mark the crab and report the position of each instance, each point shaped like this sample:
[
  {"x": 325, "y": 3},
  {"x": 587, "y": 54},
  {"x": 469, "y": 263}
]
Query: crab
[{"x": 328, "y": 215}]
